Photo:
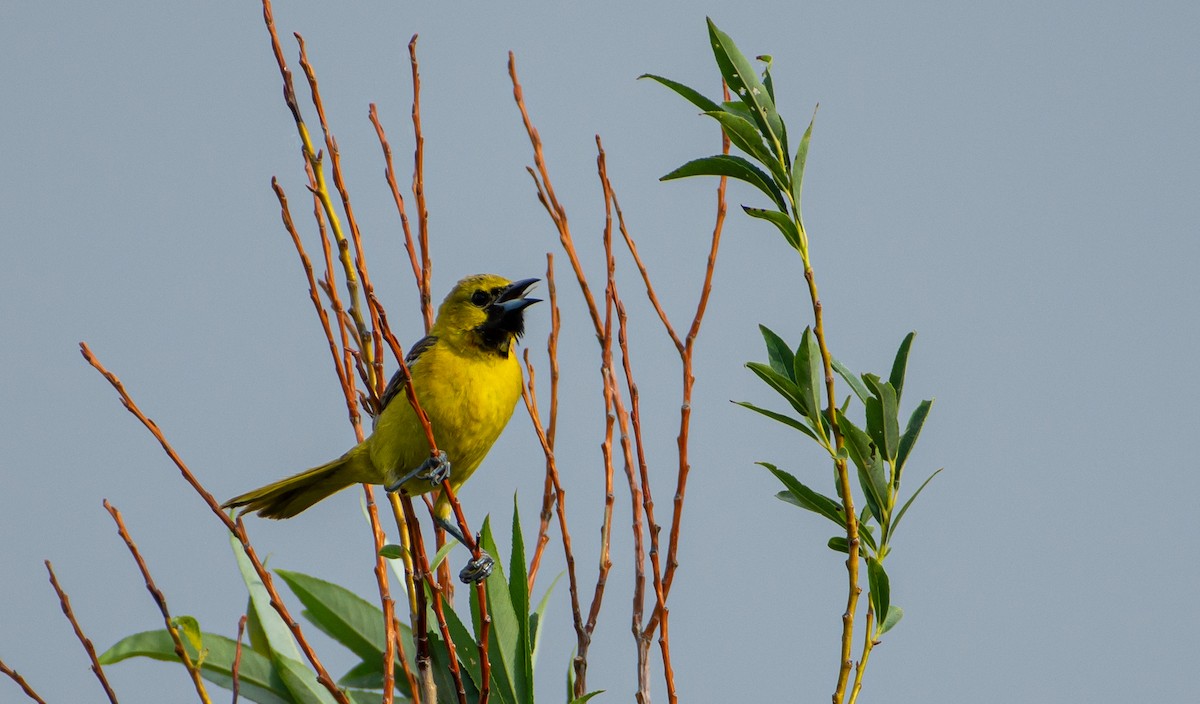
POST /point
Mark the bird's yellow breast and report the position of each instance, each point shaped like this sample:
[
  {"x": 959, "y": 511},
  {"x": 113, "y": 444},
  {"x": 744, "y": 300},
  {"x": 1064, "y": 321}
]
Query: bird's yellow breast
[{"x": 469, "y": 395}]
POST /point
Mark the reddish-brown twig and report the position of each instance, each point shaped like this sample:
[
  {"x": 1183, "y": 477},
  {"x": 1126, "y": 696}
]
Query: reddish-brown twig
[
  {"x": 426, "y": 691},
  {"x": 546, "y": 436},
  {"x": 418, "y": 186},
  {"x": 237, "y": 658},
  {"x": 161, "y": 601},
  {"x": 16, "y": 677},
  {"x": 234, "y": 527},
  {"x": 65, "y": 601},
  {"x": 389, "y": 173}
]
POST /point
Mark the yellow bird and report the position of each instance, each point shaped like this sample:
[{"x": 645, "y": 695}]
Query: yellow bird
[{"x": 467, "y": 380}]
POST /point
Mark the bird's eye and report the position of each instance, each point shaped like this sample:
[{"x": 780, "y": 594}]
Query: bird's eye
[{"x": 480, "y": 298}]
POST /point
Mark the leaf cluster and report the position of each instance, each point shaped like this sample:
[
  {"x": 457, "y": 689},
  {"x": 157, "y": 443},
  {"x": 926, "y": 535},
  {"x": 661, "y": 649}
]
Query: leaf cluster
[{"x": 270, "y": 669}]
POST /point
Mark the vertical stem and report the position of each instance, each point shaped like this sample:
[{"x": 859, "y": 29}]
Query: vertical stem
[{"x": 844, "y": 488}]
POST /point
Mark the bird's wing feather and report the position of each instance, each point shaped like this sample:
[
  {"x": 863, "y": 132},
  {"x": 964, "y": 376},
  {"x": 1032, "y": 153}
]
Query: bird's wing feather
[{"x": 396, "y": 385}]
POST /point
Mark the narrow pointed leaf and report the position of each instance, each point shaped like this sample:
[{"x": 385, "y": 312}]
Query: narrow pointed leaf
[
  {"x": 915, "y": 422},
  {"x": 584, "y": 699},
  {"x": 766, "y": 75},
  {"x": 277, "y": 635},
  {"x": 860, "y": 389},
  {"x": 743, "y": 82},
  {"x": 839, "y": 543},
  {"x": 780, "y": 220},
  {"x": 894, "y": 614},
  {"x": 744, "y": 135},
  {"x": 871, "y": 471},
  {"x": 301, "y": 681},
  {"x": 518, "y": 588},
  {"x": 798, "y": 163},
  {"x": 258, "y": 680},
  {"x": 810, "y": 374},
  {"x": 779, "y": 354},
  {"x": 877, "y": 580},
  {"x": 783, "y": 386},
  {"x": 537, "y": 620},
  {"x": 806, "y": 498},
  {"x": 904, "y": 508},
  {"x": 785, "y": 419},
  {"x": 505, "y": 648},
  {"x": 882, "y": 422},
  {"x": 900, "y": 364},
  {"x": 339, "y": 613},
  {"x": 692, "y": 96},
  {"x": 734, "y": 167}
]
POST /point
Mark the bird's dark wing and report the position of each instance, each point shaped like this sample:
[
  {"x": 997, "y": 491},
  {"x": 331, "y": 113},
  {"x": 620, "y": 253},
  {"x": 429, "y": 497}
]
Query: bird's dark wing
[{"x": 396, "y": 385}]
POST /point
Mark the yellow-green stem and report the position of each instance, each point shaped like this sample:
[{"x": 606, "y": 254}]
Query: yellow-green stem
[
  {"x": 843, "y": 478},
  {"x": 868, "y": 644}
]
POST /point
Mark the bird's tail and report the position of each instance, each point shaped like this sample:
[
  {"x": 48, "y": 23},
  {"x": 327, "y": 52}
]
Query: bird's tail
[{"x": 288, "y": 497}]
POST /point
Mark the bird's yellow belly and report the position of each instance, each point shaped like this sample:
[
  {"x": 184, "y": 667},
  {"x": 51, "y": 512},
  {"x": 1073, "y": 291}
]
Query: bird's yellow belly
[{"x": 468, "y": 406}]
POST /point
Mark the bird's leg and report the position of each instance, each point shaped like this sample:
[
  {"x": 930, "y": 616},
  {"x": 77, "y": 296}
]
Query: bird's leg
[
  {"x": 478, "y": 568},
  {"x": 434, "y": 469}
]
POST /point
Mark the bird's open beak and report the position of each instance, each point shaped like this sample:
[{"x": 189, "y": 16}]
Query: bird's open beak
[{"x": 506, "y": 312}]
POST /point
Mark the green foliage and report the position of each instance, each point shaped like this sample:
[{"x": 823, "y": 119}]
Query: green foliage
[
  {"x": 870, "y": 439},
  {"x": 272, "y": 671}
]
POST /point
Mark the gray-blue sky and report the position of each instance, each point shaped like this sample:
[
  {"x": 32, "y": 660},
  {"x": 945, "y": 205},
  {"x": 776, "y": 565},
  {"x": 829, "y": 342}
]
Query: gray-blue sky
[{"x": 1018, "y": 183}]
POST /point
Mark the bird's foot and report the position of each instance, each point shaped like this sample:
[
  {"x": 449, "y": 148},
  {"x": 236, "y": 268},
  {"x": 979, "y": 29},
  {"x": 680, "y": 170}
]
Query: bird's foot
[
  {"x": 435, "y": 470},
  {"x": 477, "y": 569}
]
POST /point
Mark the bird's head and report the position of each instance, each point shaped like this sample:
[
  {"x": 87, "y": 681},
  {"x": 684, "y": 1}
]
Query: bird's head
[{"x": 486, "y": 308}]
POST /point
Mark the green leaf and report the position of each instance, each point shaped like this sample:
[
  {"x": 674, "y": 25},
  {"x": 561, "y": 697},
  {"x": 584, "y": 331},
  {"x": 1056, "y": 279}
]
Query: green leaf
[
  {"x": 518, "y": 589},
  {"x": 364, "y": 675},
  {"x": 743, "y": 82},
  {"x": 877, "y": 580},
  {"x": 734, "y": 167},
  {"x": 798, "y": 163},
  {"x": 275, "y": 632},
  {"x": 766, "y": 74},
  {"x": 301, "y": 681},
  {"x": 882, "y": 423},
  {"x": 871, "y": 472},
  {"x": 257, "y": 679},
  {"x": 341, "y": 614},
  {"x": 785, "y": 419},
  {"x": 904, "y": 508},
  {"x": 894, "y": 614},
  {"x": 392, "y": 552},
  {"x": 189, "y": 630},
  {"x": 915, "y": 422},
  {"x": 860, "y": 389},
  {"x": 806, "y": 498},
  {"x": 900, "y": 364},
  {"x": 692, "y": 96},
  {"x": 839, "y": 543},
  {"x": 810, "y": 375},
  {"x": 744, "y": 135},
  {"x": 779, "y": 354},
  {"x": 441, "y": 554},
  {"x": 784, "y": 386},
  {"x": 866, "y": 537},
  {"x": 586, "y": 697},
  {"x": 465, "y": 644},
  {"x": 505, "y": 647},
  {"x": 780, "y": 220},
  {"x": 537, "y": 620}
]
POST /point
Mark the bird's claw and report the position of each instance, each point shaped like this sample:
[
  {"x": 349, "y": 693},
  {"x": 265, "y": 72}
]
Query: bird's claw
[
  {"x": 477, "y": 569},
  {"x": 435, "y": 470}
]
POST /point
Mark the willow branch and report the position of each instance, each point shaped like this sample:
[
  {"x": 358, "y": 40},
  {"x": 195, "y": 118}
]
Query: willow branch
[
  {"x": 235, "y": 527},
  {"x": 65, "y": 602},
  {"x": 193, "y": 668}
]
